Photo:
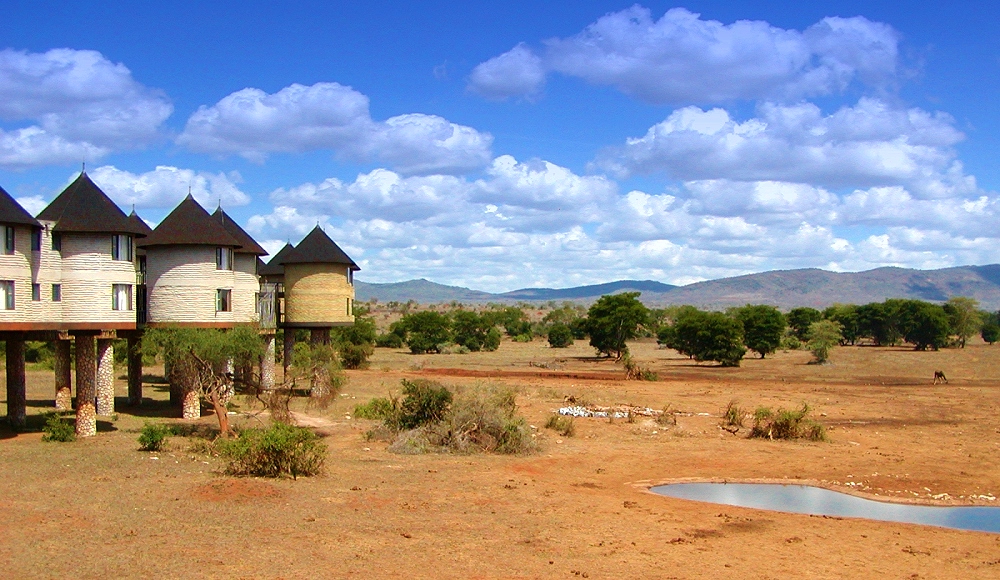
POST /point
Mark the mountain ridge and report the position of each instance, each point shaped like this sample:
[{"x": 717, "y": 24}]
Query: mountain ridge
[{"x": 782, "y": 288}]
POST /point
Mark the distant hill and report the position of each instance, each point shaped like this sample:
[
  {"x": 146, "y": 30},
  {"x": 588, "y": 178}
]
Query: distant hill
[{"x": 782, "y": 288}]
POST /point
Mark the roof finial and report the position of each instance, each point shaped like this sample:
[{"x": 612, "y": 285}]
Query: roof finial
[{"x": 83, "y": 168}]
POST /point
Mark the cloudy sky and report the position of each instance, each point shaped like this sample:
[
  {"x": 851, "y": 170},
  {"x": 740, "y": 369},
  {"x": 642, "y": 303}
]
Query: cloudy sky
[{"x": 506, "y": 145}]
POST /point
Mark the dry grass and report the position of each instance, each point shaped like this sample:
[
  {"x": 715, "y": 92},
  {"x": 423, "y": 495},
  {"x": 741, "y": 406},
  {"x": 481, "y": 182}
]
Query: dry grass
[{"x": 557, "y": 513}]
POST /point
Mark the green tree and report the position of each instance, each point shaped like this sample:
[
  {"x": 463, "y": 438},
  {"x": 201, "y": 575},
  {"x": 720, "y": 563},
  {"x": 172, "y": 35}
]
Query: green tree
[
  {"x": 924, "y": 325},
  {"x": 426, "y": 331},
  {"x": 963, "y": 317},
  {"x": 613, "y": 320},
  {"x": 513, "y": 320},
  {"x": 560, "y": 336},
  {"x": 822, "y": 336},
  {"x": 846, "y": 315},
  {"x": 469, "y": 329},
  {"x": 355, "y": 343},
  {"x": 763, "y": 327},
  {"x": 710, "y": 336},
  {"x": 990, "y": 332},
  {"x": 800, "y": 318}
]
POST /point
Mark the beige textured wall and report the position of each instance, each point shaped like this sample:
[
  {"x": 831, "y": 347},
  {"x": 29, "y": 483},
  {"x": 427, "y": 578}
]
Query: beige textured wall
[
  {"x": 317, "y": 293},
  {"x": 26, "y": 267},
  {"x": 181, "y": 282},
  {"x": 88, "y": 273}
]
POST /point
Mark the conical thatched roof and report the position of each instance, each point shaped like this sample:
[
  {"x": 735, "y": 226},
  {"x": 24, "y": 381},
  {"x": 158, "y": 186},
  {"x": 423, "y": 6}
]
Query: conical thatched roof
[
  {"x": 83, "y": 207},
  {"x": 247, "y": 244},
  {"x": 275, "y": 267},
  {"x": 189, "y": 225},
  {"x": 318, "y": 248},
  {"x": 12, "y": 213}
]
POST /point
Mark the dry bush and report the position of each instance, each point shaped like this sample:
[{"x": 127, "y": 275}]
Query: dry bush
[
  {"x": 784, "y": 424},
  {"x": 564, "y": 426}
]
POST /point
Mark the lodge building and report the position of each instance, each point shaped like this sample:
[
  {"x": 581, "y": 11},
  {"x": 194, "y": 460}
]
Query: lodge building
[{"x": 83, "y": 271}]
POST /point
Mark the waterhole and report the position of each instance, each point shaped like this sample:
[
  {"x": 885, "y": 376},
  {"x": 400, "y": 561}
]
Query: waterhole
[{"x": 805, "y": 499}]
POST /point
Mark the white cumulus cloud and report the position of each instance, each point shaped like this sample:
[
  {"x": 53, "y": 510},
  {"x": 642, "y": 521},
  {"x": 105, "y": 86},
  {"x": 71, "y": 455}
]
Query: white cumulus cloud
[
  {"x": 299, "y": 118},
  {"x": 166, "y": 186},
  {"x": 682, "y": 58},
  {"x": 77, "y": 105}
]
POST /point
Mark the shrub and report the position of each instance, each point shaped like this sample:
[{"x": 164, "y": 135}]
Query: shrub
[
  {"x": 389, "y": 340},
  {"x": 423, "y": 402},
  {"x": 153, "y": 437},
  {"x": 378, "y": 409},
  {"x": 564, "y": 426},
  {"x": 790, "y": 342},
  {"x": 279, "y": 450},
  {"x": 58, "y": 429},
  {"x": 526, "y": 337},
  {"x": 733, "y": 415},
  {"x": 484, "y": 419},
  {"x": 634, "y": 372},
  {"x": 355, "y": 356},
  {"x": 492, "y": 341},
  {"x": 785, "y": 424},
  {"x": 560, "y": 336},
  {"x": 823, "y": 336}
]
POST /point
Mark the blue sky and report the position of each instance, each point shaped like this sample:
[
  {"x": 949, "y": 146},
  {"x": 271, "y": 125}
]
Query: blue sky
[{"x": 499, "y": 146}]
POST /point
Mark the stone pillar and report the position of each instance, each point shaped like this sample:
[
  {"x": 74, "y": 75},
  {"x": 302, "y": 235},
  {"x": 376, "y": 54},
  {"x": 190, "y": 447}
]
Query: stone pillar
[
  {"x": 105, "y": 377},
  {"x": 190, "y": 404},
  {"x": 319, "y": 335},
  {"x": 267, "y": 364},
  {"x": 134, "y": 357},
  {"x": 16, "y": 397},
  {"x": 86, "y": 386},
  {"x": 228, "y": 387},
  {"x": 64, "y": 376},
  {"x": 289, "y": 348}
]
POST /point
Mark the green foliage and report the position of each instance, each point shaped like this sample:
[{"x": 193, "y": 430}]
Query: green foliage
[
  {"x": 389, "y": 340},
  {"x": 355, "y": 343},
  {"x": 492, "y": 341},
  {"x": 378, "y": 409},
  {"x": 763, "y": 327},
  {"x": 355, "y": 356},
  {"x": 615, "y": 319},
  {"x": 784, "y": 424},
  {"x": 566, "y": 315},
  {"x": 319, "y": 365},
  {"x": 822, "y": 336},
  {"x": 564, "y": 426},
  {"x": 58, "y": 429},
  {"x": 470, "y": 330},
  {"x": 846, "y": 315},
  {"x": 423, "y": 402},
  {"x": 560, "y": 336},
  {"x": 279, "y": 450},
  {"x": 634, "y": 372},
  {"x": 153, "y": 437},
  {"x": 964, "y": 318},
  {"x": 40, "y": 353},
  {"x": 990, "y": 332},
  {"x": 799, "y": 320},
  {"x": 924, "y": 325},
  {"x": 513, "y": 320},
  {"x": 709, "y": 336},
  {"x": 790, "y": 342},
  {"x": 484, "y": 419},
  {"x": 426, "y": 330}
]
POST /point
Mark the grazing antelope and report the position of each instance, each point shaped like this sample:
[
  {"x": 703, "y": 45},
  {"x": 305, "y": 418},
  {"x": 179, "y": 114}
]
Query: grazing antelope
[{"x": 939, "y": 377}]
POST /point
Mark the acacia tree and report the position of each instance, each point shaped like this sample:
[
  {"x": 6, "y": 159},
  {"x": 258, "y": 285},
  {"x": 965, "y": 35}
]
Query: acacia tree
[
  {"x": 800, "y": 318},
  {"x": 822, "y": 336},
  {"x": 763, "y": 327},
  {"x": 426, "y": 331},
  {"x": 964, "y": 317},
  {"x": 613, "y": 320},
  {"x": 710, "y": 336},
  {"x": 199, "y": 362}
]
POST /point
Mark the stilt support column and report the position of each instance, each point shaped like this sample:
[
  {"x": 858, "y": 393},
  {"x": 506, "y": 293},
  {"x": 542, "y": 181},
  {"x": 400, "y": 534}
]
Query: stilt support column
[
  {"x": 64, "y": 376},
  {"x": 267, "y": 364},
  {"x": 86, "y": 386},
  {"x": 105, "y": 377},
  {"x": 16, "y": 398},
  {"x": 134, "y": 357}
]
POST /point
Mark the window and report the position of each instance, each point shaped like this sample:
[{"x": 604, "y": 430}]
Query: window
[
  {"x": 57, "y": 292},
  {"x": 121, "y": 297},
  {"x": 121, "y": 247},
  {"x": 8, "y": 240},
  {"x": 350, "y": 276},
  {"x": 36, "y": 292},
  {"x": 7, "y": 292},
  {"x": 223, "y": 258},
  {"x": 36, "y": 240},
  {"x": 348, "y": 306},
  {"x": 223, "y": 300},
  {"x": 56, "y": 242}
]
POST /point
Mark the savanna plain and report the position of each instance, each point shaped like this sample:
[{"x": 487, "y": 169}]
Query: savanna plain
[{"x": 579, "y": 506}]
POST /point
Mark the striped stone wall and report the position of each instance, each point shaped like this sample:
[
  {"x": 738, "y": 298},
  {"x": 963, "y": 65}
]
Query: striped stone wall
[
  {"x": 182, "y": 282},
  {"x": 317, "y": 294},
  {"x": 88, "y": 273}
]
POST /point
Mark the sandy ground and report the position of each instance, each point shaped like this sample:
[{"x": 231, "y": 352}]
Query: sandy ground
[{"x": 580, "y": 507}]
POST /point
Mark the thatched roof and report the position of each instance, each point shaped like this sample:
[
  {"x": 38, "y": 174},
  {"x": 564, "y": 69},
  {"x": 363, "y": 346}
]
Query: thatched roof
[
  {"x": 138, "y": 224},
  {"x": 318, "y": 248},
  {"x": 83, "y": 207},
  {"x": 12, "y": 213},
  {"x": 274, "y": 266},
  {"x": 247, "y": 244},
  {"x": 189, "y": 225}
]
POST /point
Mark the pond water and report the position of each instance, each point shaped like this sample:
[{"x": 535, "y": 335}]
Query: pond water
[{"x": 804, "y": 499}]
